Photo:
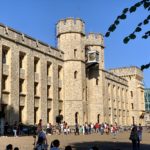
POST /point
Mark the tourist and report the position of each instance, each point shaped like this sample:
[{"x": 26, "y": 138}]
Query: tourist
[
  {"x": 15, "y": 128},
  {"x": 9, "y": 147},
  {"x": 55, "y": 145},
  {"x": 16, "y": 148},
  {"x": 94, "y": 148},
  {"x": 76, "y": 129},
  {"x": 39, "y": 126},
  {"x": 134, "y": 137},
  {"x": 140, "y": 129},
  {"x": 6, "y": 126},
  {"x": 68, "y": 147},
  {"x": 42, "y": 140}
]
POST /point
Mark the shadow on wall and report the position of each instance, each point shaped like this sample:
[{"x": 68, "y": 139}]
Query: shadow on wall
[
  {"x": 92, "y": 72},
  {"x": 7, "y": 115},
  {"x": 107, "y": 146}
]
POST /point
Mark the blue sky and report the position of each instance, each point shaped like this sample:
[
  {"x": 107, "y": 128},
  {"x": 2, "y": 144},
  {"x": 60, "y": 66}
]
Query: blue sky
[{"x": 38, "y": 18}]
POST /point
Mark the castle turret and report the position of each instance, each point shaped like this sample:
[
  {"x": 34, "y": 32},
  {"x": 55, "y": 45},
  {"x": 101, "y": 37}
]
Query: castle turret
[
  {"x": 95, "y": 48},
  {"x": 95, "y": 42},
  {"x": 70, "y": 35}
]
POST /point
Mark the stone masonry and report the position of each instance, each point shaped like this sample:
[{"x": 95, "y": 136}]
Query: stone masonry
[{"x": 40, "y": 81}]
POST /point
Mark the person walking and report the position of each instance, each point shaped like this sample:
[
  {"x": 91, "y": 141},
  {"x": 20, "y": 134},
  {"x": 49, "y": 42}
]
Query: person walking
[
  {"x": 15, "y": 128},
  {"x": 140, "y": 129},
  {"x": 42, "y": 141},
  {"x": 134, "y": 138}
]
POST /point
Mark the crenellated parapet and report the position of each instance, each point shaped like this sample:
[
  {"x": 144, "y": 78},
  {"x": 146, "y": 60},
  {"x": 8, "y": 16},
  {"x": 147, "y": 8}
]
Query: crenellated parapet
[
  {"x": 94, "y": 39},
  {"x": 115, "y": 78},
  {"x": 70, "y": 25},
  {"x": 127, "y": 71},
  {"x": 25, "y": 40}
]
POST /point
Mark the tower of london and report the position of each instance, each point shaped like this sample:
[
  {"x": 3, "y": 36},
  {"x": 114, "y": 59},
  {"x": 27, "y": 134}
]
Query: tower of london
[{"x": 39, "y": 81}]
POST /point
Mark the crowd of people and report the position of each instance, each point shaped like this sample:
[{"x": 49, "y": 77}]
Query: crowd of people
[
  {"x": 84, "y": 129},
  {"x": 41, "y": 142}
]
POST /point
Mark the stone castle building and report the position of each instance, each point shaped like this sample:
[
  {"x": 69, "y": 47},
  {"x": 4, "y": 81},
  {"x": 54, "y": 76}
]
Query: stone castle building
[{"x": 40, "y": 81}]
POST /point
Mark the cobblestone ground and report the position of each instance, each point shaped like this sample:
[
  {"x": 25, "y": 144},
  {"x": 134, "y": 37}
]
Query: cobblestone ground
[{"x": 81, "y": 142}]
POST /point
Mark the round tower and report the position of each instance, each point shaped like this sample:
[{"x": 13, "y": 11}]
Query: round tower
[{"x": 70, "y": 36}]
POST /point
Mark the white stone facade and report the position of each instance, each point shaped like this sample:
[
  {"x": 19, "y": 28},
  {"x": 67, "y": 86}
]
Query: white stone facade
[{"x": 39, "y": 81}]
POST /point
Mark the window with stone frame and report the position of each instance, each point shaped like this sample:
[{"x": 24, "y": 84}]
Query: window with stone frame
[
  {"x": 5, "y": 54},
  {"x": 21, "y": 85},
  {"x": 21, "y": 59},
  {"x": 36, "y": 62},
  {"x": 35, "y": 88},
  {"x": 4, "y": 82}
]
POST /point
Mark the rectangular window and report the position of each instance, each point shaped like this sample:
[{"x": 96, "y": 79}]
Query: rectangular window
[
  {"x": 131, "y": 93},
  {"x": 59, "y": 94},
  {"x": 48, "y": 115},
  {"x": 48, "y": 69},
  {"x": 21, "y": 81},
  {"x": 4, "y": 54},
  {"x": 132, "y": 106},
  {"x": 75, "y": 53},
  {"x": 48, "y": 91},
  {"x": 36, "y": 60},
  {"x": 21, "y": 59},
  {"x": 35, "y": 88},
  {"x": 4, "y": 82}
]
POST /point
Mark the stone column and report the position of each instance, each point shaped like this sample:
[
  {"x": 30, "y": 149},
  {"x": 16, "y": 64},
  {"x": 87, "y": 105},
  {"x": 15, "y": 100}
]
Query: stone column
[
  {"x": 14, "y": 83},
  {"x": 30, "y": 89},
  {"x": 43, "y": 89}
]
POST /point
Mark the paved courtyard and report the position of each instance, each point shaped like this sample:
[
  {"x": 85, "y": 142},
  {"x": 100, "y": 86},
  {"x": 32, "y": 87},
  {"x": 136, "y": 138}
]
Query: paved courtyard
[{"x": 81, "y": 142}]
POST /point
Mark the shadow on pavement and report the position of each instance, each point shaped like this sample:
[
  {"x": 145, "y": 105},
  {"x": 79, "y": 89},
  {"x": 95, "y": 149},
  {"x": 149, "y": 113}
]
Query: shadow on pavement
[{"x": 107, "y": 146}]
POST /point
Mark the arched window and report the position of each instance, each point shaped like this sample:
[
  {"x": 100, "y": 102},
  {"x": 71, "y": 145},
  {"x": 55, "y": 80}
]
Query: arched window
[
  {"x": 75, "y": 53},
  {"x": 76, "y": 117},
  {"x": 98, "y": 118},
  {"x": 97, "y": 81},
  {"x": 75, "y": 74}
]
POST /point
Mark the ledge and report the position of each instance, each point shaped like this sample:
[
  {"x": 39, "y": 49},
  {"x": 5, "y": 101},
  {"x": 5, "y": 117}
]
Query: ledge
[{"x": 5, "y": 91}]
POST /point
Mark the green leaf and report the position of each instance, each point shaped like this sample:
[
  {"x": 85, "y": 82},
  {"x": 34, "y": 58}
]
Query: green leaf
[
  {"x": 148, "y": 32},
  {"x": 138, "y": 29},
  {"x": 138, "y": 4},
  {"x": 144, "y": 36},
  {"x": 132, "y": 36},
  {"x": 140, "y": 24},
  {"x": 112, "y": 28},
  {"x": 116, "y": 22},
  {"x": 148, "y": 17},
  {"x": 146, "y": 21},
  {"x": 107, "y": 34},
  {"x": 123, "y": 16},
  {"x": 132, "y": 9},
  {"x": 126, "y": 40},
  {"x": 125, "y": 10},
  {"x": 146, "y": 4}
]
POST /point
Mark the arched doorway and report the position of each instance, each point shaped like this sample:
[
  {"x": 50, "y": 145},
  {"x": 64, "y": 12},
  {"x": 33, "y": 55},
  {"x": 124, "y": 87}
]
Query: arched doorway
[
  {"x": 76, "y": 118},
  {"x": 98, "y": 118}
]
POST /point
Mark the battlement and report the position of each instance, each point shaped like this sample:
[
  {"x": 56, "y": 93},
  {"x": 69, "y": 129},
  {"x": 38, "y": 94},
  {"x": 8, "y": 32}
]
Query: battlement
[
  {"x": 70, "y": 25},
  {"x": 23, "y": 39},
  {"x": 94, "y": 39},
  {"x": 127, "y": 71},
  {"x": 114, "y": 77}
]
